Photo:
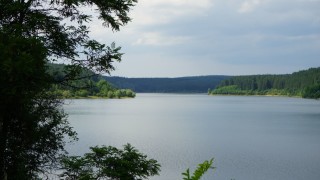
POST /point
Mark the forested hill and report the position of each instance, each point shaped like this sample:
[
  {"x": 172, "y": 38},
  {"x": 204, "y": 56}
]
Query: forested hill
[
  {"x": 304, "y": 83},
  {"x": 194, "y": 84},
  {"x": 87, "y": 84}
]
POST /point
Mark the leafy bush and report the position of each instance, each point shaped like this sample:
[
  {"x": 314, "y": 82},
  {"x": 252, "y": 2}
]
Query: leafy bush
[
  {"x": 109, "y": 163},
  {"x": 199, "y": 172}
]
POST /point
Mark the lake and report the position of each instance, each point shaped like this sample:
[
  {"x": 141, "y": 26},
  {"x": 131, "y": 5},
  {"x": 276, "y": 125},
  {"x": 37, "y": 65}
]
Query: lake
[{"x": 250, "y": 137}]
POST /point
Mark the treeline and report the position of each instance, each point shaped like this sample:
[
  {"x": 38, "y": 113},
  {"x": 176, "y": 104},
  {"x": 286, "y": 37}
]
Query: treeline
[
  {"x": 195, "y": 84},
  {"x": 101, "y": 89},
  {"x": 88, "y": 84},
  {"x": 304, "y": 83}
]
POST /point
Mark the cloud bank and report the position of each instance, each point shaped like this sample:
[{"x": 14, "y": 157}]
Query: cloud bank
[{"x": 171, "y": 38}]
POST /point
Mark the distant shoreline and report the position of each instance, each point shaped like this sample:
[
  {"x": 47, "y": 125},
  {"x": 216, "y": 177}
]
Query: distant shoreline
[{"x": 267, "y": 95}]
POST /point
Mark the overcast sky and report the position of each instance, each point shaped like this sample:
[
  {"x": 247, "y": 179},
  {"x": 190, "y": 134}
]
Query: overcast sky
[{"x": 174, "y": 38}]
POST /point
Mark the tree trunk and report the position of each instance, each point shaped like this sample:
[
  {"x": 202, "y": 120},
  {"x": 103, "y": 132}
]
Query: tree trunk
[{"x": 3, "y": 137}]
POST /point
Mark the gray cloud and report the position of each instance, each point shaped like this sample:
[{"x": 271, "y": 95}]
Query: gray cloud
[{"x": 183, "y": 37}]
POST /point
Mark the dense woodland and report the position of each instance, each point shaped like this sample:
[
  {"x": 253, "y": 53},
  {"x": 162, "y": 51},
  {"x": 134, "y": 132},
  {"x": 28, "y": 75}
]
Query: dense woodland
[
  {"x": 195, "y": 84},
  {"x": 304, "y": 83},
  {"x": 87, "y": 84}
]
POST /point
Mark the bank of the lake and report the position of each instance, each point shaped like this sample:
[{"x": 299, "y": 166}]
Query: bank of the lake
[
  {"x": 250, "y": 137},
  {"x": 304, "y": 84},
  {"x": 97, "y": 97},
  {"x": 256, "y": 94}
]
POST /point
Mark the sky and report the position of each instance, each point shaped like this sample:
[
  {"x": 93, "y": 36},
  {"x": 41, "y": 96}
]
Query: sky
[{"x": 175, "y": 38}]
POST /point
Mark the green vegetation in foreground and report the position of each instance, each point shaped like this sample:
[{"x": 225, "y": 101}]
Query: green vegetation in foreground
[
  {"x": 304, "y": 84},
  {"x": 108, "y": 162},
  {"x": 33, "y": 126},
  {"x": 199, "y": 172}
]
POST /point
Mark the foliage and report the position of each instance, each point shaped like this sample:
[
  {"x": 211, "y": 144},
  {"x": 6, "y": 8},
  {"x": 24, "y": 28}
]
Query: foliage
[
  {"x": 33, "y": 127},
  {"x": 110, "y": 163},
  {"x": 199, "y": 172},
  {"x": 32, "y": 34},
  {"x": 97, "y": 89},
  {"x": 302, "y": 83},
  {"x": 91, "y": 85},
  {"x": 229, "y": 90},
  {"x": 312, "y": 92}
]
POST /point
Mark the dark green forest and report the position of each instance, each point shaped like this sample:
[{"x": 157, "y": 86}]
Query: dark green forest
[
  {"x": 304, "y": 84},
  {"x": 194, "y": 84},
  {"x": 87, "y": 84}
]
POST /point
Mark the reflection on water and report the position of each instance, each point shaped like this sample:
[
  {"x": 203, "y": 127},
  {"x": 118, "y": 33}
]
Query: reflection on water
[{"x": 250, "y": 137}]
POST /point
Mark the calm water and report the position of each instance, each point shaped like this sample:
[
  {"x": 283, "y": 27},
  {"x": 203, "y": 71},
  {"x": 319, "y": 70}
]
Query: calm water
[{"x": 251, "y": 138}]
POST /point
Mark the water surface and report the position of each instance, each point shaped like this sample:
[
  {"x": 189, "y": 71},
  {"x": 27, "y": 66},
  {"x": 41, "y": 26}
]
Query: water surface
[{"x": 250, "y": 137}]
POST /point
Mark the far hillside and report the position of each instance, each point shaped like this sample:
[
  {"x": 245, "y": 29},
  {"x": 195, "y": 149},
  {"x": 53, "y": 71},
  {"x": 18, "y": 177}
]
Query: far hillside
[
  {"x": 86, "y": 85},
  {"x": 193, "y": 84},
  {"x": 304, "y": 83}
]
